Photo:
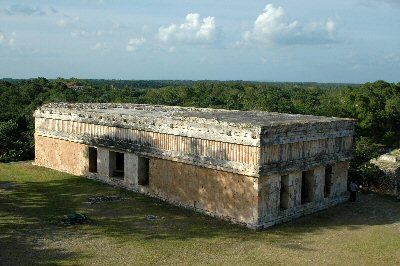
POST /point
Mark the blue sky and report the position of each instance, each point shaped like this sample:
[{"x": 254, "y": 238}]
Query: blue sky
[{"x": 308, "y": 40}]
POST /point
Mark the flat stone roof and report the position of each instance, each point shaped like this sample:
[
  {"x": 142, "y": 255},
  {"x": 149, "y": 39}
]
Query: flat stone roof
[{"x": 257, "y": 119}]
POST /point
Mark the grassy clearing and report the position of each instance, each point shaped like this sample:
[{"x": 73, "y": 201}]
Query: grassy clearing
[{"x": 364, "y": 233}]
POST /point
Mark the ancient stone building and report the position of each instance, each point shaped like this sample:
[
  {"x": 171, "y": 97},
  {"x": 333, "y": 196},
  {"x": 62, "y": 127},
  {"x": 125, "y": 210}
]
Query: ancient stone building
[{"x": 255, "y": 168}]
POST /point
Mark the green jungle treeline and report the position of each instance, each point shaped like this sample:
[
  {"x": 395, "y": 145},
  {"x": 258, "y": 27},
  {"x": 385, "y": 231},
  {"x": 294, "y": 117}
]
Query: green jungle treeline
[{"x": 376, "y": 106}]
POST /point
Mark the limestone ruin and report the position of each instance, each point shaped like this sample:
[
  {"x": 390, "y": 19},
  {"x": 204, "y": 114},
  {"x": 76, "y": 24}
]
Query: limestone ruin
[
  {"x": 249, "y": 167},
  {"x": 389, "y": 164}
]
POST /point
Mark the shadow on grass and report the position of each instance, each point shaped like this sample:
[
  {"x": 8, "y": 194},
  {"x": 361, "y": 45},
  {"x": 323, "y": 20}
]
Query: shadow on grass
[
  {"x": 19, "y": 250},
  {"x": 30, "y": 213}
]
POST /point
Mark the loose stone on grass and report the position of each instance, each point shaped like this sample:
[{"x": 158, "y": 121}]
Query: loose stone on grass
[
  {"x": 74, "y": 219},
  {"x": 151, "y": 217},
  {"x": 104, "y": 198}
]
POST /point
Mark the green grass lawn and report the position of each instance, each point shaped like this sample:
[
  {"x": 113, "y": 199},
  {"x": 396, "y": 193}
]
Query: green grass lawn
[{"x": 33, "y": 199}]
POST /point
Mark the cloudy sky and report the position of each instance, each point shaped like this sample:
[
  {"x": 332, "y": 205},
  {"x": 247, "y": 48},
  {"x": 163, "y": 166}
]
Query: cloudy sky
[{"x": 308, "y": 40}]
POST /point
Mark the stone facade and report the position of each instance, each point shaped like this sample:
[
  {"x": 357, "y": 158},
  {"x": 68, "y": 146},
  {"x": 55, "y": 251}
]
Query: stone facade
[
  {"x": 62, "y": 155},
  {"x": 254, "y": 168}
]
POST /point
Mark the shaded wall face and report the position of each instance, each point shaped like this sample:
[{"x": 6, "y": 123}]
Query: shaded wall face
[
  {"x": 285, "y": 157},
  {"x": 63, "y": 155},
  {"x": 218, "y": 192},
  {"x": 282, "y": 196},
  {"x": 339, "y": 179}
]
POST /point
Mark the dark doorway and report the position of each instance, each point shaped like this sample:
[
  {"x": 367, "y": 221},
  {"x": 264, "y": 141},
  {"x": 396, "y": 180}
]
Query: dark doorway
[
  {"x": 307, "y": 186},
  {"x": 119, "y": 164},
  {"x": 328, "y": 181},
  {"x": 92, "y": 160},
  {"x": 143, "y": 171},
  {"x": 284, "y": 195}
]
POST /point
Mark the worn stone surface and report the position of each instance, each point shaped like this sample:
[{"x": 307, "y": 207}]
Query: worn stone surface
[
  {"x": 62, "y": 155},
  {"x": 223, "y": 194},
  {"x": 246, "y": 167},
  {"x": 339, "y": 179},
  {"x": 390, "y": 165},
  {"x": 269, "y": 188},
  {"x": 131, "y": 169},
  {"x": 103, "y": 162}
]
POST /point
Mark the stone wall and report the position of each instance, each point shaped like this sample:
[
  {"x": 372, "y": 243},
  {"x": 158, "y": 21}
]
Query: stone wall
[
  {"x": 62, "y": 155},
  {"x": 223, "y": 194},
  {"x": 253, "y": 201},
  {"x": 271, "y": 210},
  {"x": 233, "y": 157},
  {"x": 294, "y": 156},
  {"x": 339, "y": 179}
]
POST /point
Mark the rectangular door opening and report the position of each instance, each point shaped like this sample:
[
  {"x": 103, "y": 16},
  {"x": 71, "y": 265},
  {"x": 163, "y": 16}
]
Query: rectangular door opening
[
  {"x": 92, "y": 160},
  {"x": 284, "y": 195},
  {"x": 143, "y": 171},
  {"x": 307, "y": 186},
  {"x": 328, "y": 181},
  {"x": 117, "y": 161}
]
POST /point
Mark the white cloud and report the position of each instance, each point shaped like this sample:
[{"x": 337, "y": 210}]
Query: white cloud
[
  {"x": 78, "y": 33},
  {"x": 62, "y": 22},
  {"x": 394, "y": 3},
  {"x": 103, "y": 32},
  {"x": 203, "y": 59},
  {"x": 11, "y": 41},
  {"x": 79, "y": 29},
  {"x": 134, "y": 44},
  {"x": 264, "y": 60},
  {"x": 331, "y": 28},
  {"x": 66, "y": 21},
  {"x": 193, "y": 30},
  {"x": 100, "y": 46},
  {"x": 393, "y": 58},
  {"x": 272, "y": 27},
  {"x": 390, "y": 2},
  {"x": 25, "y": 10}
]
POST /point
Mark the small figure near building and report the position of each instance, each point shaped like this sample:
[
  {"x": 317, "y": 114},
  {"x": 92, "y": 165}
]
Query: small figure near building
[{"x": 353, "y": 191}]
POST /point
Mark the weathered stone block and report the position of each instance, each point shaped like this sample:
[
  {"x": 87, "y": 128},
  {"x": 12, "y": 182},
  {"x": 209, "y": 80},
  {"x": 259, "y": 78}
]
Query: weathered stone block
[{"x": 131, "y": 169}]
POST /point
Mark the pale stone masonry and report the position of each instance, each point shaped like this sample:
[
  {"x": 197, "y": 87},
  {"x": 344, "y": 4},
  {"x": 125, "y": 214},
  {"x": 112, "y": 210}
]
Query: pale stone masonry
[
  {"x": 254, "y": 168},
  {"x": 389, "y": 164}
]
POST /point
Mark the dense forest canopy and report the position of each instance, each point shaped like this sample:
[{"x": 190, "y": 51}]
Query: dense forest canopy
[{"x": 376, "y": 106}]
